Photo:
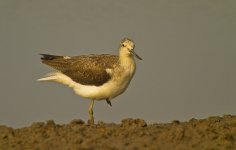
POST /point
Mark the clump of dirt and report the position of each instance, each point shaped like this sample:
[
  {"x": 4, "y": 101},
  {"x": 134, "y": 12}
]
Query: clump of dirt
[{"x": 215, "y": 133}]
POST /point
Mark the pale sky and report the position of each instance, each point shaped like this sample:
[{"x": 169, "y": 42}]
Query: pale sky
[{"x": 188, "y": 50}]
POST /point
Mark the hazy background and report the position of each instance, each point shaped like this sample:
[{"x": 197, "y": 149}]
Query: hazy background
[{"x": 188, "y": 47}]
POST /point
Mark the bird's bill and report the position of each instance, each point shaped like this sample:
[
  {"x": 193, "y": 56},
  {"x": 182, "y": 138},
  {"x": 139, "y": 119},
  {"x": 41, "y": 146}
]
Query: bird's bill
[{"x": 137, "y": 56}]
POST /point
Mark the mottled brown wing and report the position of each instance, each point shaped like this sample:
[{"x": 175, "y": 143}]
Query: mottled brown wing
[{"x": 84, "y": 69}]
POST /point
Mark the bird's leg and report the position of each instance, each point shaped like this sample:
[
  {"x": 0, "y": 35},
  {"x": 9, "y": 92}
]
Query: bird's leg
[
  {"x": 91, "y": 121},
  {"x": 108, "y": 102}
]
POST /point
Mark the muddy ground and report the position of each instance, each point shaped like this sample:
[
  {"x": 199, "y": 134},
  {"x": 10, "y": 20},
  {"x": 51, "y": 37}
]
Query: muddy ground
[{"x": 213, "y": 133}]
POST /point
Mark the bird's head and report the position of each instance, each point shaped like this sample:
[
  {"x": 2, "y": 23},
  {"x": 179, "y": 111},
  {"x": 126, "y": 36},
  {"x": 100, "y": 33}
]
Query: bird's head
[{"x": 127, "y": 48}]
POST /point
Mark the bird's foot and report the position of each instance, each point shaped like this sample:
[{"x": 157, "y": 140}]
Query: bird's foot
[
  {"x": 91, "y": 121},
  {"x": 108, "y": 102}
]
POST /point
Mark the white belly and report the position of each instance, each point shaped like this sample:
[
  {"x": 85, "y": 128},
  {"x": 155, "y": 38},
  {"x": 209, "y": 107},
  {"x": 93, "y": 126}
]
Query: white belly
[{"x": 111, "y": 89}]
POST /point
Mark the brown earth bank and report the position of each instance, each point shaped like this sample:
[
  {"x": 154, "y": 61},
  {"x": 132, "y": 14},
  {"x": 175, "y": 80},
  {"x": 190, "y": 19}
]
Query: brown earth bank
[{"x": 213, "y": 133}]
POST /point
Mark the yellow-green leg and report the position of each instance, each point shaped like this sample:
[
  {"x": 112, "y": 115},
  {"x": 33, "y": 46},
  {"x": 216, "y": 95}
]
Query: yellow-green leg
[{"x": 91, "y": 121}]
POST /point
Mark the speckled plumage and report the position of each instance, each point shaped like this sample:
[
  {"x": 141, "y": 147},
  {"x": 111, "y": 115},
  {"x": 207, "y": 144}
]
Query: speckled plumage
[{"x": 84, "y": 69}]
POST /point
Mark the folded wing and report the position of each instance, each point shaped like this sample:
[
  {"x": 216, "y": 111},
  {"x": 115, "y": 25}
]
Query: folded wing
[{"x": 84, "y": 69}]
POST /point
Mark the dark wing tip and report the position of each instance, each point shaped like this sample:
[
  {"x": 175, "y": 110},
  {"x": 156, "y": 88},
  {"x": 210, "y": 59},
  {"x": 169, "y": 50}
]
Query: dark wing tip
[{"x": 49, "y": 57}]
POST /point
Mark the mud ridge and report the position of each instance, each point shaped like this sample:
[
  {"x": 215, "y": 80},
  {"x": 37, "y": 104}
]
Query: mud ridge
[{"x": 213, "y": 133}]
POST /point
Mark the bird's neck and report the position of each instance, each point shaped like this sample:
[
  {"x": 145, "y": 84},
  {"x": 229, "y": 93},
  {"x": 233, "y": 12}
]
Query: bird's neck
[{"x": 126, "y": 59}]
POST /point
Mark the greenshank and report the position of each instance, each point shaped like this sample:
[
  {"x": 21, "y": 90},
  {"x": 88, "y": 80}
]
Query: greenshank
[{"x": 95, "y": 77}]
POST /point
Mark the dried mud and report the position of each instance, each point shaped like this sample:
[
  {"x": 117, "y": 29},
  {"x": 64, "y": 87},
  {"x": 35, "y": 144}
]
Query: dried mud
[{"x": 213, "y": 133}]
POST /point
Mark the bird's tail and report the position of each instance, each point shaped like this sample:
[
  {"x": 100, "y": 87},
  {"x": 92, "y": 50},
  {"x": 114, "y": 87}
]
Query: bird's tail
[
  {"x": 53, "y": 76},
  {"x": 58, "y": 77}
]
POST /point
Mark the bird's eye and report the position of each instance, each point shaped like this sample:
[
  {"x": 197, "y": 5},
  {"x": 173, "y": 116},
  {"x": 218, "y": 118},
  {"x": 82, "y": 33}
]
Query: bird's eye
[{"x": 123, "y": 45}]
